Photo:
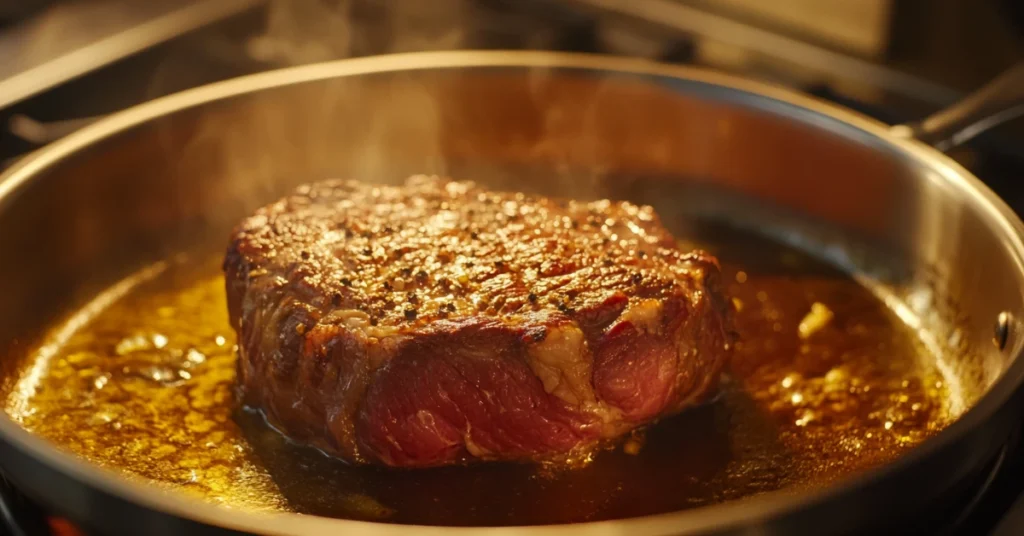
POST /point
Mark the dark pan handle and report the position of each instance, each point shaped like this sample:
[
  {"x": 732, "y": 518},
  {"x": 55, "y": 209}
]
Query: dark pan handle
[{"x": 997, "y": 102}]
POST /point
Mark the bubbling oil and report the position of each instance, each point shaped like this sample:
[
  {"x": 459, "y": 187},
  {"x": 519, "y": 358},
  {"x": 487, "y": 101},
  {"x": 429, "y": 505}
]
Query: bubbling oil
[{"x": 825, "y": 381}]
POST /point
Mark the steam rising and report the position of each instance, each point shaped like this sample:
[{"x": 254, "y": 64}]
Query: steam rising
[
  {"x": 386, "y": 127},
  {"x": 304, "y": 32},
  {"x": 309, "y": 31},
  {"x": 376, "y": 130}
]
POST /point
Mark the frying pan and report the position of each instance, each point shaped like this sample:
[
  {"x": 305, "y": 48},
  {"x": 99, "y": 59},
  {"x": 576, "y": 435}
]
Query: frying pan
[{"x": 180, "y": 171}]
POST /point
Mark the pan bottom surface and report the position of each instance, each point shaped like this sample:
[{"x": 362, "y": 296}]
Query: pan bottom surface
[{"x": 826, "y": 381}]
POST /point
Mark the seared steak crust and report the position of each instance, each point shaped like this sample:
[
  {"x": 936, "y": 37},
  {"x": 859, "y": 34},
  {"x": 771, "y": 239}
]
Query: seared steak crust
[{"x": 441, "y": 322}]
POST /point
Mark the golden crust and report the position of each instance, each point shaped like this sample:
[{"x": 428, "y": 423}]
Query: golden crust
[{"x": 434, "y": 249}]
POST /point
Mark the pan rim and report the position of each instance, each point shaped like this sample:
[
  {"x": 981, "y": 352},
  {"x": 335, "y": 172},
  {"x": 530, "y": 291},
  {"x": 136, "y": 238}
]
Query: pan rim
[{"x": 731, "y": 514}]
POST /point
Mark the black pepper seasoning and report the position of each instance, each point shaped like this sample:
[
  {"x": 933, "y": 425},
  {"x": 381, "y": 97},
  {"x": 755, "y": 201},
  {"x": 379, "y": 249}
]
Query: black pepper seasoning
[
  {"x": 637, "y": 278},
  {"x": 410, "y": 314},
  {"x": 532, "y": 297},
  {"x": 346, "y": 281}
]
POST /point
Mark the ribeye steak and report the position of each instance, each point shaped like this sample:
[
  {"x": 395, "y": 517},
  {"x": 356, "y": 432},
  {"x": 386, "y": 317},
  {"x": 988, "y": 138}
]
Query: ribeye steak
[{"x": 440, "y": 322}]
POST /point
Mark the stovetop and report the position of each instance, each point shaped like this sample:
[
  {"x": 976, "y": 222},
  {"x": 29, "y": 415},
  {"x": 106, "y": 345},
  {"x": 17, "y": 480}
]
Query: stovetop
[{"x": 915, "y": 77}]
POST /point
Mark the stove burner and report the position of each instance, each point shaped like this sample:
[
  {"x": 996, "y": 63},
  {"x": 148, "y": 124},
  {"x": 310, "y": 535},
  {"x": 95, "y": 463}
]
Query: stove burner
[
  {"x": 20, "y": 515},
  {"x": 975, "y": 512}
]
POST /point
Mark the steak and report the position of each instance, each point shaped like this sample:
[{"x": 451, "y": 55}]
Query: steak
[{"x": 440, "y": 322}]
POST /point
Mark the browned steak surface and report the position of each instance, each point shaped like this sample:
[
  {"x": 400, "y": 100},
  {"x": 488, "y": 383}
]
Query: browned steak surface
[{"x": 440, "y": 322}]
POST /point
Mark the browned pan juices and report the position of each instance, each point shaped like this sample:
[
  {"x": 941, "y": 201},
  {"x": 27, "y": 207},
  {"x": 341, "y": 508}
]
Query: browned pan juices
[{"x": 145, "y": 386}]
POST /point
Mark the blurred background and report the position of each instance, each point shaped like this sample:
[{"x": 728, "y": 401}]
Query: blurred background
[{"x": 64, "y": 63}]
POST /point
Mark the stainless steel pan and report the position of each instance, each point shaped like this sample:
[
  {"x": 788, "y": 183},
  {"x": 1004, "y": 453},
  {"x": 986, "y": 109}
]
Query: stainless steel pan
[{"x": 181, "y": 170}]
